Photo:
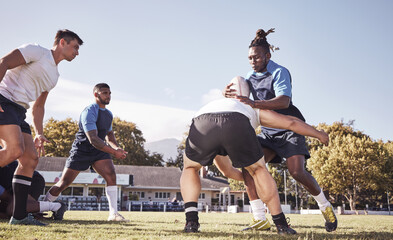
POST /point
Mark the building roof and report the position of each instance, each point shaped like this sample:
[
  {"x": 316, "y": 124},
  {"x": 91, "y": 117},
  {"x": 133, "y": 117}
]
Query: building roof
[{"x": 143, "y": 176}]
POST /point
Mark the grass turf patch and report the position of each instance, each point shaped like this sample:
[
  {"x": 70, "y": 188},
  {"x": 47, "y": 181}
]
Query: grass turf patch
[{"x": 159, "y": 225}]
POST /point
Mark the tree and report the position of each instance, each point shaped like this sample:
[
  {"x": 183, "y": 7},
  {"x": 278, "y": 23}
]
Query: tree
[
  {"x": 130, "y": 138},
  {"x": 352, "y": 162},
  {"x": 61, "y": 135}
]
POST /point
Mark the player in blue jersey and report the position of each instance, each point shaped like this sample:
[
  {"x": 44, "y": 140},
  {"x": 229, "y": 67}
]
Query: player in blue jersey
[
  {"x": 271, "y": 87},
  {"x": 93, "y": 145}
]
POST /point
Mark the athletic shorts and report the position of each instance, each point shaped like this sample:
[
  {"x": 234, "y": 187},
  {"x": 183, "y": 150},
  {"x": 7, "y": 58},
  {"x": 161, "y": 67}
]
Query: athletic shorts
[
  {"x": 13, "y": 114},
  {"x": 286, "y": 144},
  {"x": 228, "y": 133},
  {"x": 81, "y": 161}
]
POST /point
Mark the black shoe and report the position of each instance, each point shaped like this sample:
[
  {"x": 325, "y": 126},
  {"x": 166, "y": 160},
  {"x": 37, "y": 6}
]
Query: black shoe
[
  {"x": 58, "y": 215},
  {"x": 285, "y": 230},
  {"x": 191, "y": 227}
]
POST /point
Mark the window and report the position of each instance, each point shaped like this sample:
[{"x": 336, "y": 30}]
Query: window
[
  {"x": 162, "y": 195},
  {"x": 67, "y": 192},
  {"x": 77, "y": 191},
  {"x": 202, "y": 196},
  {"x": 136, "y": 195},
  {"x": 96, "y": 191}
]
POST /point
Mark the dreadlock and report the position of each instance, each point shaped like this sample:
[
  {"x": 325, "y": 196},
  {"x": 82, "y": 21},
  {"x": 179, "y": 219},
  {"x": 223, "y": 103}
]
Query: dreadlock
[{"x": 261, "y": 41}]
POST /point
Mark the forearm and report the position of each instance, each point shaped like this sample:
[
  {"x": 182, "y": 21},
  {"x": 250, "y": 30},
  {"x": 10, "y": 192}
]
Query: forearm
[
  {"x": 272, "y": 104},
  {"x": 302, "y": 128},
  {"x": 38, "y": 119},
  {"x": 111, "y": 140},
  {"x": 99, "y": 144}
]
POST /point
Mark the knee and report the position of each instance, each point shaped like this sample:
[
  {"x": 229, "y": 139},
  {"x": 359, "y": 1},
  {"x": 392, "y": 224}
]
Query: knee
[
  {"x": 29, "y": 161},
  {"x": 11, "y": 154},
  {"x": 297, "y": 173}
]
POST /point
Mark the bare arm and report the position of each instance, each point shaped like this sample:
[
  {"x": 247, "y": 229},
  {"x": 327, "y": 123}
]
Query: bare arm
[
  {"x": 280, "y": 102},
  {"x": 269, "y": 118},
  {"x": 38, "y": 112},
  {"x": 10, "y": 61},
  {"x": 102, "y": 146},
  {"x": 110, "y": 138}
]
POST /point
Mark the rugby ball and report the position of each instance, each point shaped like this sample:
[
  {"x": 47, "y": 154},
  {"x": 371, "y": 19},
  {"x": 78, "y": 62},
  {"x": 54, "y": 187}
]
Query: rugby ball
[{"x": 241, "y": 86}]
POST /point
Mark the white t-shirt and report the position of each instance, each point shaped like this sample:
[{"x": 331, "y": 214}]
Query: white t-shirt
[
  {"x": 231, "y": 105},
  {"x": 25, "y": 83}
]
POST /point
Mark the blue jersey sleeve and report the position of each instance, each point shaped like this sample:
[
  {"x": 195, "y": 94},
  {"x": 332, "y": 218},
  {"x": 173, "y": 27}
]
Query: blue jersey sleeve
[
  {"x": 282, "y": 83},
  {"x": 89, "y": 118}
]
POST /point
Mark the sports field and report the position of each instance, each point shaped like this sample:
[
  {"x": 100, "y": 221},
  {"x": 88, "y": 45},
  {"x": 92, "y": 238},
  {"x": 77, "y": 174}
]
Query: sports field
[{"x": 159, "y": 225}]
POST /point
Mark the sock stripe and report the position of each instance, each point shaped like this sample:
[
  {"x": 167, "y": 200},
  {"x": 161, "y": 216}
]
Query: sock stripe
[
  {"x": 23, "y": 177},
  {"x": 191, "y": 209},
  {"x": 21, "y": 181}
]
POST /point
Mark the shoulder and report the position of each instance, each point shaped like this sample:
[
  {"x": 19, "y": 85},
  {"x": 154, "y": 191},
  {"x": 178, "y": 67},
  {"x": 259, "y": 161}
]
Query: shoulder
[
  {"x": 32, "y": 51},
  {"x": 92, "y": 108},
  {"x": 276, "y": 69}
]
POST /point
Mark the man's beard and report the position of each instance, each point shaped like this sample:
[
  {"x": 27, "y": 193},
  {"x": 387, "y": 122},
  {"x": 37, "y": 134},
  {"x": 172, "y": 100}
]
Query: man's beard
[{"x": 102, "y": 101}]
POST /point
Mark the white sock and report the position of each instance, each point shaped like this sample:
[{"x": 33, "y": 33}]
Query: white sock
[
  {"x": 323, "y": 203},
  {"x": 49, "y": 206},
  {"x": 111, "y": 194},
  {"x": 258, "y": 209},
  {"x": 50, "y": 198}
]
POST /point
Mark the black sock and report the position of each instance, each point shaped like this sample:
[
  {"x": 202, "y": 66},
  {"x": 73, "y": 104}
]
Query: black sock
[
  {"x": 20, "y": 186},
  {"x": 191, "y": 209},
  {"x": 279, "y": 219}
]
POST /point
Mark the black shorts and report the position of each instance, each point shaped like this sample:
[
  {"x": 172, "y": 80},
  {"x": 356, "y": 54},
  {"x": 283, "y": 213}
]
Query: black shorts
[
  {"x": 223, "y": 134},
  {"x": 286, "y": 144},
  {"x": 14, "y": 114},
  {"x": 81, "y": 161}
]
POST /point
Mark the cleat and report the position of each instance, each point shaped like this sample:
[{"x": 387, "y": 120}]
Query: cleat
[
  {"x": 330, "y": 219},
  {"x": 260, "y": 225},
  {"x": 59, "y": 214},
  {"x": 29, "y": 220},
  {"x": 191, "y": 227},
  {"x": 285, "y": 230},
  {"x": 117, "y": 217}
]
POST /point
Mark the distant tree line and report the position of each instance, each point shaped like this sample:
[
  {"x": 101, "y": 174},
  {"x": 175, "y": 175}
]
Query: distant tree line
[{"x": 61, "y": 135}]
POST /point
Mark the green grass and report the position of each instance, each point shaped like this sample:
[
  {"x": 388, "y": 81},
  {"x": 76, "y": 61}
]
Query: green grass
[{"x": 158, "y": 225}]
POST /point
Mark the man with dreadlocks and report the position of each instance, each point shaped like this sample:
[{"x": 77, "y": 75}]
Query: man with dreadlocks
[{"x": 271, "y": 87}]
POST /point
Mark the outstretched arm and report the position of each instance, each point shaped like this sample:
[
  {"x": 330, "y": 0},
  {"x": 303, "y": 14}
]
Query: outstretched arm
[{"x": 269, "y": 118}]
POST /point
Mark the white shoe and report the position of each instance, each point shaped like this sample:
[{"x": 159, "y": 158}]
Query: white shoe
[{"x": 116, "y": 217}]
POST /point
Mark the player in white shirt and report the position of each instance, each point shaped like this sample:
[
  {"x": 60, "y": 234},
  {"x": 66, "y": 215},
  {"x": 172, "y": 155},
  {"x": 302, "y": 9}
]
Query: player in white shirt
[
  {"x": 226, "y": 127},
  {"x": 27, "y": 74}
]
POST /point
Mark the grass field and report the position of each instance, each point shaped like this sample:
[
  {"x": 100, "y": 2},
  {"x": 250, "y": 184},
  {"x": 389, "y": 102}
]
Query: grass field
[{"x": 159, "y": 225}]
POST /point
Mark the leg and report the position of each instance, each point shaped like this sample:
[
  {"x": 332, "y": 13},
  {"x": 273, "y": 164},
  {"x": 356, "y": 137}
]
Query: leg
[
  {"x": 296, "y": 169},
  {"x": 266, "y": 187},
  {"x": 23, "y": 176},
  {"x": 106, "y": 169},
  {"x": 66, "y": 179},
  {"x": 190, "y": 187},
  {"x": 224, "y": 164},
  {"x": 12, "y": 142},
  {"x": 295, "y": 166}
]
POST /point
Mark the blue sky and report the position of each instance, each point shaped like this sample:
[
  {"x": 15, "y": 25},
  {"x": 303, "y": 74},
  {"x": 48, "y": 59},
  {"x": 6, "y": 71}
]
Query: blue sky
[{"x": 165, "y": 59}]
